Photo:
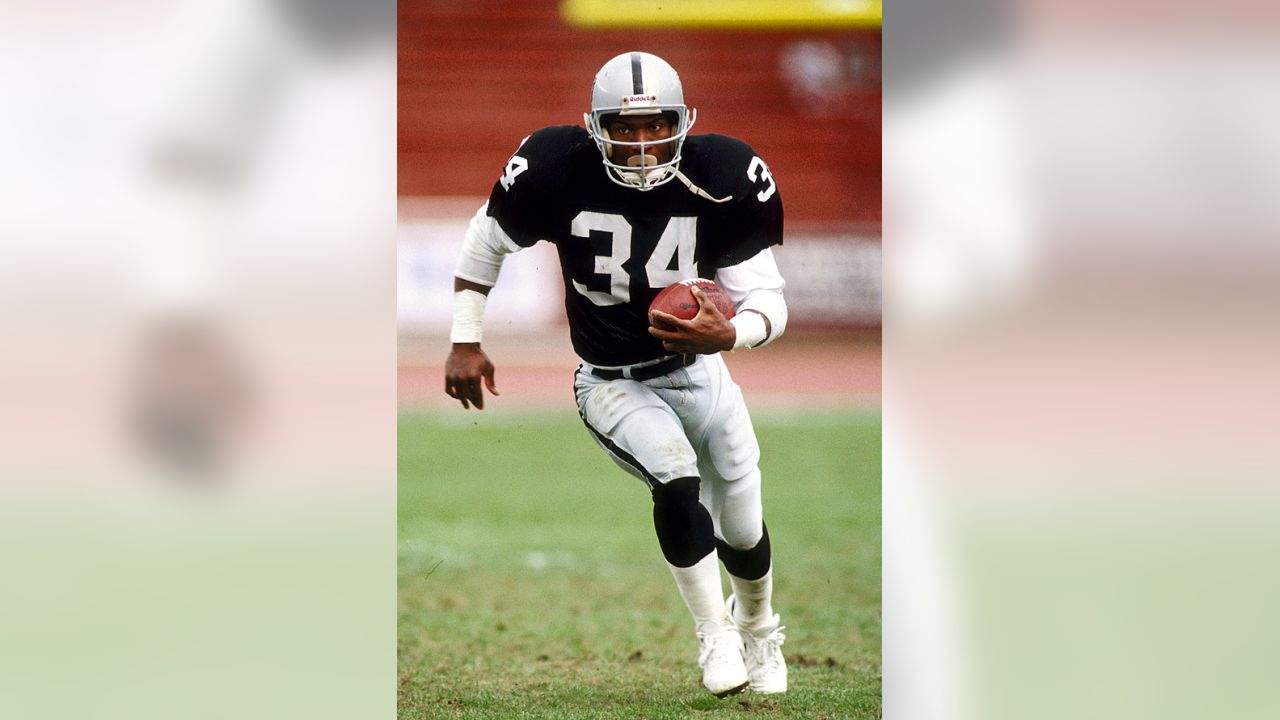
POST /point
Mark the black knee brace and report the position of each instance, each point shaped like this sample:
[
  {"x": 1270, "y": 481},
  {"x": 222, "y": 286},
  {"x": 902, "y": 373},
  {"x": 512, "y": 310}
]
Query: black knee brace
[
  {"x": 684, "y": 528},
  {"x": 749, "y": 564}
]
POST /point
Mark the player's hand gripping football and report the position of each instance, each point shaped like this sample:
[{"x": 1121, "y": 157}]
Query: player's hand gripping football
[
  {"x": 707, "y": 333},
  {"x": 465, "y": 369}
]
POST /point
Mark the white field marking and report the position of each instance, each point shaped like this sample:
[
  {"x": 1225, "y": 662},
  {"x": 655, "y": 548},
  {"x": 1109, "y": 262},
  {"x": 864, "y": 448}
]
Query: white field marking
[{"x": 539, "y": 560}]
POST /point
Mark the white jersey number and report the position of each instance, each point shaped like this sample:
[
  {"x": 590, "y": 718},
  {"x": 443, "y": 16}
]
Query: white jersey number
[
  {"x": 515, "y": 166},
  {"x": 611, "y": 264},
  {"x": 757, "y": 166},
  {"x": 677, "y": 242},
  {"x": 675, "y": 247}
]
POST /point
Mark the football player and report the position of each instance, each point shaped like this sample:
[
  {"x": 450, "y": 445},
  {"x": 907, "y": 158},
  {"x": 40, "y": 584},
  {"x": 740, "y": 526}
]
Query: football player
[{"x": 633, "y": 203}]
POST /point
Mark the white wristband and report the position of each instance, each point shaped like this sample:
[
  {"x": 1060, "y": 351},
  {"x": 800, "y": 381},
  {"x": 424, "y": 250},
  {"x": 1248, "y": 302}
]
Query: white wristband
[
  {"x": 468, "y": 314},
  {"x": 751, "y": 330}
]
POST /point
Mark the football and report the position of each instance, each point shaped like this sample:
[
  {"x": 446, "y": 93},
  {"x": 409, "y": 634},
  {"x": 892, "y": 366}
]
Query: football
[{"x": 677, "y": 299}]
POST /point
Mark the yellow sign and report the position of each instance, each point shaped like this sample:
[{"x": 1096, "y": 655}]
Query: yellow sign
[{"x": 723, "y": 13}]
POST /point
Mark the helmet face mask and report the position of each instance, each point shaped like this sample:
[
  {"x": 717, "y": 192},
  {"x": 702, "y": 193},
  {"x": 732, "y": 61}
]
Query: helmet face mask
[{"x": 638, "y": 84}]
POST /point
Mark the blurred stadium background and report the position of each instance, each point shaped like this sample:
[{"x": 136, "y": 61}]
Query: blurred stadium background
[{"x": 798, "y": 81}]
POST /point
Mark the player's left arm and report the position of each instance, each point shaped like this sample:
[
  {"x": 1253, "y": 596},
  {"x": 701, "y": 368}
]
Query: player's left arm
[
  {"x": 747, "y": 270},
  {"x": 746, "y": 267},
  {"x": 755, "y": 286}
]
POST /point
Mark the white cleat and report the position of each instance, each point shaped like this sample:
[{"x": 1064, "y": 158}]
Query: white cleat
[
  {"x": 723, "y": 670},
  {"x": 766, "y": 667}
]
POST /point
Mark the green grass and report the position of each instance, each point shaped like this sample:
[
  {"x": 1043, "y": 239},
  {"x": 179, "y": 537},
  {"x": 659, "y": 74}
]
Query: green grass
[{"x": 531, "y": 584}]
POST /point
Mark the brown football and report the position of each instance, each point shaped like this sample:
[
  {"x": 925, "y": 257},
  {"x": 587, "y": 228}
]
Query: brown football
[{"x": 677, "y": 299}]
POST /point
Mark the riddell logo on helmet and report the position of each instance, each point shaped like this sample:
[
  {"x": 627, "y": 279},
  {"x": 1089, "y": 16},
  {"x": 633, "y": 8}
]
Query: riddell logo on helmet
[{"x": 637, "y": 99}]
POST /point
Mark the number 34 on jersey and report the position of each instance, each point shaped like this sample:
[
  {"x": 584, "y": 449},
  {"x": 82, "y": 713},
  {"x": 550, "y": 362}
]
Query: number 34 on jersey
[{"x": 674, "y": 249}]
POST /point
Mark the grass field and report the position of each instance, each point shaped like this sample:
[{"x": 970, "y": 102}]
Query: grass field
[{"x": 531, "y": 584}]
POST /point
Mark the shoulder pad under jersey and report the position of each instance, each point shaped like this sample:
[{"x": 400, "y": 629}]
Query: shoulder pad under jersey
[
  {"x": 727, "y": 167},
  {"x": 532, "y": 180}
]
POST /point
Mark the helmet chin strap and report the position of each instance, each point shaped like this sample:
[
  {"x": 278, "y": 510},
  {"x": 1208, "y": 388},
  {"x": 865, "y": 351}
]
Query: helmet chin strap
[
  {"x": 644, "y": 160},
  {"x": 699, "y": 191},
  {"x": 641, "y": 161}
]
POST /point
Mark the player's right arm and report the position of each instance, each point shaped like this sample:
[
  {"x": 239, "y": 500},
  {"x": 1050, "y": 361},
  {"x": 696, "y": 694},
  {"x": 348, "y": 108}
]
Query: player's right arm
[
  {"x": 468, "y": 367},
  {"x": 514, "y": 218}
]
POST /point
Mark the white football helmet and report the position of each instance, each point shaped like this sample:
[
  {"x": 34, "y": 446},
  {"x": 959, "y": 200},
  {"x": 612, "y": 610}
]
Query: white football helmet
[{"x": 637, "y": 83}]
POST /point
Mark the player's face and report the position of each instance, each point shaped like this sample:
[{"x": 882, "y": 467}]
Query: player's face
[{"x": 644, "y": 128}]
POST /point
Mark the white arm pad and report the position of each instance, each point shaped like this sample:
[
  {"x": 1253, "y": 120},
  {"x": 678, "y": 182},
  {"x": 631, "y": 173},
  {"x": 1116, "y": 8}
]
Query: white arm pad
[
  {"x": 483, "y": 249},
  {"x": 755, "y": 284},
  {"x": 468, "y": 314},
  {"x": 752, "y": 330}
]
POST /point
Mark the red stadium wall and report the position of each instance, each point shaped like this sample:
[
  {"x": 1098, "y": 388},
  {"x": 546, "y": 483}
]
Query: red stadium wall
[{"x": 476, "y": 77}]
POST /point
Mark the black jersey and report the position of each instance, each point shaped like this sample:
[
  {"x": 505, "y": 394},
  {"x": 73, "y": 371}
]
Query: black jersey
[{"x": 619, "y": 246}]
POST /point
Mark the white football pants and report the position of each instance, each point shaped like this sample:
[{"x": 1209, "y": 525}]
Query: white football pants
[{"x": 690, "y": 423}]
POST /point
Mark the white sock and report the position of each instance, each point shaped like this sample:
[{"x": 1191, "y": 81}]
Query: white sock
[
  {"x": 700, "y": 587},
  {"x": 752, "y": 603}
]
